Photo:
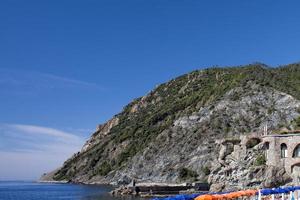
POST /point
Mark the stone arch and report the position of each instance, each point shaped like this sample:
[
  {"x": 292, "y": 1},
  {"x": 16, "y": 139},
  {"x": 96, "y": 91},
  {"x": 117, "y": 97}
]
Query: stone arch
[
  {"x": 295, "y": 168},
  {"x": 283, "y": 150},
  {"x": 266, "y": 145},
  {"x": 296, "y": 151},
  {"x": 252, "y": 142},
  {"x": 295, "y": 172}
]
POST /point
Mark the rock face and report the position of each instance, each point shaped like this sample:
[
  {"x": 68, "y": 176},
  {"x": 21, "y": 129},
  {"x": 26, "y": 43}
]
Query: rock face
[
  {"x": 192, "y": 141},
  {"x": 192, "y": 128},
  {"x": 244, "y": 167},
  {"x": 102, "y": 131}
]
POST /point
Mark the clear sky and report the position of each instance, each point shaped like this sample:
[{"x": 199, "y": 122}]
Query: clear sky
[{"x": 66, "y": 66}]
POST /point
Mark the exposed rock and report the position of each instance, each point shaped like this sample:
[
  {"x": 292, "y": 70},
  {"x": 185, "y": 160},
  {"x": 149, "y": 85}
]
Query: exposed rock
[
  {"x": 217, "y": 187},
  {"x": 102, "y": 131},
  {"x": 122, "y": 190},
  {"x": 48, "y": 177},
  {"x": 179, "y": 146},
  {"x": 241, "y": 170},
  {"x": 195, "y": 122},
  {"x": 275, "y": 177}
]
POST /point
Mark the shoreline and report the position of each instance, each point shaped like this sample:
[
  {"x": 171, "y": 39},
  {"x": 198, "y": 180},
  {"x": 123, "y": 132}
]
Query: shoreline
[
  {"x": 77, "y": 183},
  {"x": 61, "y": 182},
  {"x": 145, "y": 190}
]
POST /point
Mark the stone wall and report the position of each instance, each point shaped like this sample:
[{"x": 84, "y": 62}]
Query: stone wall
[
  {"x": 273, "y": 153},
  {"x": 237, "y": 168}
]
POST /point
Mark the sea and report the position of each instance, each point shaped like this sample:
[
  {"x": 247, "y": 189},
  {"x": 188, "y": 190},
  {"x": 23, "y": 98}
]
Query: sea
[{"x": 27, "y": 190}]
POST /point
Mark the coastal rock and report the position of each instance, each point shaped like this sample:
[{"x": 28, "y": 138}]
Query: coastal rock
[
  {"x": 102, "y": 131},
  {"x": 191, "y": 129},
  {"x": 275, "y": 177},
  {"x": 217, "y": 187}
]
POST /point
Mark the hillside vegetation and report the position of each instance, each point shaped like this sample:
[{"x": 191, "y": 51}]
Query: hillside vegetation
[{"x": 146, "y": 140}]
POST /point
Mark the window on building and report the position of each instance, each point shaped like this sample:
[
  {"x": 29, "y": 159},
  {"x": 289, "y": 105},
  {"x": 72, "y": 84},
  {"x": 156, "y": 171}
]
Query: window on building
[
  {"x": 296, "y": 152},
  {"x": 283, "y": 150},
  {"x": 266, "y": 146}
]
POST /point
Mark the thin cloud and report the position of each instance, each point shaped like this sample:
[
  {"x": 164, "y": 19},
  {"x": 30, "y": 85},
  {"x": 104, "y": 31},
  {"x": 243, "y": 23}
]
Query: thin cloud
[
  {"x": 21, "y": 137},
  {"x": 69, "y": 80},
  {"x": 21, "y": 80},
  {"x": 37, "y": 130},
  {"x": 43, "y": 148}
]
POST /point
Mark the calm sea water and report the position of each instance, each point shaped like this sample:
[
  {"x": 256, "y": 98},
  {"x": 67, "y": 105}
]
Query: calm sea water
[{"x": 12, "y": 190}]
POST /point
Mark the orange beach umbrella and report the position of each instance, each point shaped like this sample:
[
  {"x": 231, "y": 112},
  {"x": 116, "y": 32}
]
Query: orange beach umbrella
[
  {"x": 242, "y": 193},
  {"x": 250, "y": 192},
  {"x": 218, "y": 196},
  {"x": 205, "y": 197},
  {"x": 231, "y": 195}
]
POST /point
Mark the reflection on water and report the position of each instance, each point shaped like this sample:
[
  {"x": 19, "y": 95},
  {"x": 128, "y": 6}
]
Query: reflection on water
[{"x": 39, "y": 191}]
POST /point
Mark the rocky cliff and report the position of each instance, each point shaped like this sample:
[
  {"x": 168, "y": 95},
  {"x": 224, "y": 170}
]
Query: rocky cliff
[{"x": 187, "y": 129}]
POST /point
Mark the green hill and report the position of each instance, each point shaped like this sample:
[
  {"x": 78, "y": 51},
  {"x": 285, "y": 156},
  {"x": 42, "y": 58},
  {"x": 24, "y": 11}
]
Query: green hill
[{"x": 170, "y": 134}]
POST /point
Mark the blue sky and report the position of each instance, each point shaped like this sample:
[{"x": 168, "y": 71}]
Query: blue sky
[{"x": 66, "y": 66}]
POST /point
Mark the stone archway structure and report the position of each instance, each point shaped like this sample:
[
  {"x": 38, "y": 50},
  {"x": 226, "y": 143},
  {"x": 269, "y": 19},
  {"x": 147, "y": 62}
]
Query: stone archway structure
[
  {"x": 295, "y": 168},
  {"x": 287, "y": 144},
  {"x": 283, "y": 150},
  {"x": 295, "y": 172},
  {"x": 296, "y": 152}
]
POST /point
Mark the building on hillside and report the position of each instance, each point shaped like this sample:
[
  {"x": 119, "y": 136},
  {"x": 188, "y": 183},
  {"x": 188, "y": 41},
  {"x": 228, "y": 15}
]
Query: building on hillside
[
  {"x": 264, "y": 154},
  {"x": 284, "y": 150}
]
